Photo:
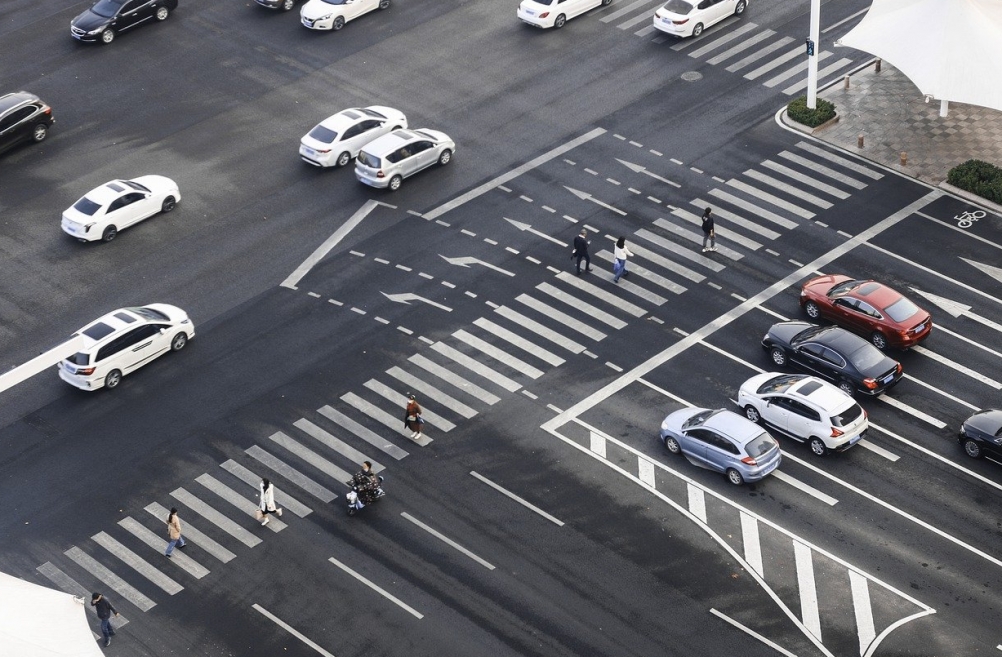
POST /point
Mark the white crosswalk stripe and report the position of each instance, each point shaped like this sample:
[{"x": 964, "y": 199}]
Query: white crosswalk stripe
[
  {"x": 431, "y": 392},
  {"x": 732, "y": 218},
  {"x": 794, "y": 70},
  {"x": 728, "y": 234},
  {"x": 291, "y": 474},
  {"x": 633, "y": 6},
  {"x": 498, "y": 354},
  {"x": 645, "y": 17},
  {"x": 696, "y": 238},
  {"x": 770, "y": 198},
  {"x": 476, "y": 367},
  {"x": 823, "y": 170},
  {"x": 137, "y": 563},
  {"x": 822, "y": 74},
  {"x": 454, "y": 379},
  {"x": 542, "y": 331},
  {"x": 648, "y": 276},
  {"x": 748, "y": 206},
  {"x": 335, "y": 444},
  {"x": 215, "y": 517},
  {"x": 204, "y": 542},
  {"x": 741, "y": 47},
  {"x": 727, "y": 37},
  {"x": 805, "y": 179},
  {"x": 679, "y": 250},
  {"x": 841, "y": 161},
  {"x": 551, "y": 312},
  {"x": 362, "y": 432},
  {"x": 282, "y": 498},
  {"x": 309, "y": 456},
  {"x": 599, "y": 293},
  {"x": 69, "y": 585},
  {"x": 396, "y": 422},
  {"x": 159, "y": 544},
  {"x": 759, "y": 54},
  {"x": 520, "y": 342},
  {"x": 665, "y": 263},
  {"x": 774, "y": 63},
  {"x": 244, "y": 504},
  {"x": 592, "y": 311},
  {"x": 125, "y": 590},
  {"x": 788, "y": 188}
]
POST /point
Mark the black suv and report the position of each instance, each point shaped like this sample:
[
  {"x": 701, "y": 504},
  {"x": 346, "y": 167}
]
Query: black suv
[
  {"x": 23, "y": 117},
  {"x": 109, "y": 17}
]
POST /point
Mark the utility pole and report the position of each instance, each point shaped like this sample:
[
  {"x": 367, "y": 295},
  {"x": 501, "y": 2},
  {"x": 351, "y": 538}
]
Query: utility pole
[{"x": 812, "y": 55}]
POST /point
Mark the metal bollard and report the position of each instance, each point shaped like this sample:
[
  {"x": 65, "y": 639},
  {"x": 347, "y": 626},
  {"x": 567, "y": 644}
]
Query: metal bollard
[
  {"x": 859, "y": 141},
  {"x": 846, "y": 87},
  {"x": 904, "y": 159},
  {"x": 877, "y": 68}
]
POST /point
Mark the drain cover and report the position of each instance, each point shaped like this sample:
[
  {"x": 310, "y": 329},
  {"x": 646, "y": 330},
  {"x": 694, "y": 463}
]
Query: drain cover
[{"x": 692, "y": 76}]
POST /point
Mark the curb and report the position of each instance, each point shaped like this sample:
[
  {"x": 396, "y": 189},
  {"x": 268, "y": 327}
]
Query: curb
[
  {"x": 807, "y": 129},
  {"x": 973, "y": 198}
]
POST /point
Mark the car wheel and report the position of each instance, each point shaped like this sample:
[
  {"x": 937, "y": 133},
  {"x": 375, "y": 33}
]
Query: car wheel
[
  {"x": 343, "y": 159},
  {"x": 740, "y": 9},
  {"x": 39, "y": 133},
  {"x": 812, "y": 310},
  {"x": 179, "y": 341},
  {"x": 109, "y": 233},
  {"x": 107, "y": 36},
  {"x": 818, "y": 446},
  {"x": 559, "y": 22},
  {"x": 606, "y": 3},
  {"x": 163, "y": 13},
  {"x": 445, "y": 157},
  {"x": 384, "y": 4},
  {"x": 672, "y": 445},
  {"x": 696, "y": 31},
  {"x": 778, "y": 356},
  {"x": 288, "y": 5},
  {"x": 972, "y": 448},
  {"x": 847, "y": 387},
  {"x": 752, "y": 414},
  {"x": 113, "y": 379},
  {"x": 338, "y": 23},
  {"x": 395, "y": 182},
  {"x": 878, "y": 340},
  {"x": 735, "y": 477},
  {"x": 168, "y": 204}
]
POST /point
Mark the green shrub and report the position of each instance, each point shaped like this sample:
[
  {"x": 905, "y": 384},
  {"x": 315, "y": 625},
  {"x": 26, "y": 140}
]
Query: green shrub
[
  {"x": 812, "y": 118},
  {"x": 978, "y": 177}
]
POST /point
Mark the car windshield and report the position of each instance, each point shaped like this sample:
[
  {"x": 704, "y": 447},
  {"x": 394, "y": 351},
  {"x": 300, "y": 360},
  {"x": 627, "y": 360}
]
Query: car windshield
[
  {"x": 336, "y": 2},
  {"x": 678, "y": 7},
  {"x": 79, "y": 358},
  {"x": 134, "y": 185},
  {"x": 844, "y": 287},
  {"x": 86, "y": 206},
  {"x": 326, "y": 135},
  {"x": 107, "y": 8},
  {"x": 368, "y": 160},
  {"x": 149, "y": 313},
  {"x": 98, "y": 331},
  {"x": 866, "y": 357},
  {"x": 545, "y": 2},
  {"x": 373, "y": 113},
  {"x": 808, "y": 334},
  {"x": 760, "y": 445},
  {"x": 698, "y": 419},
  {"x": 901, "y": 310},
  {"x": 848, "y": 416},
  {"x": 780, "y": 383}
]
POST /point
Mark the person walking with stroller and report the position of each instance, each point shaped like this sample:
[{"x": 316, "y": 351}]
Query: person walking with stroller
[{"x": 621, "y": 253}]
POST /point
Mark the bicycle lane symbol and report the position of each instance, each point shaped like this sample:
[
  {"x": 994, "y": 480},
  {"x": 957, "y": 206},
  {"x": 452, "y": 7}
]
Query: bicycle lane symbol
[{"x": 967, "y": 219}]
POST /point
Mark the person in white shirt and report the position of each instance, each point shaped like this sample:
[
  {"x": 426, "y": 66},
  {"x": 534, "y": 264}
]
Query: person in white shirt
[
  {"x": 621, "y": 253},
  {"x": 267, "y": 505}
]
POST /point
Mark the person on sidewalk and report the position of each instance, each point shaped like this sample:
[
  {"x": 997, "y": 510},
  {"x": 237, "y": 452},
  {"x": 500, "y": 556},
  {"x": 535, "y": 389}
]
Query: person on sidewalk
[
  {"x": 581, "y": 251},
  {"x": 412, "y": 417},
  {"x": 621, "y": 253},
  {"x": 708, "y": 232},
  {"x": 173, "y": 532},
  {"x": 104, "y": 611},
  {"x": 267, "y": 505}
]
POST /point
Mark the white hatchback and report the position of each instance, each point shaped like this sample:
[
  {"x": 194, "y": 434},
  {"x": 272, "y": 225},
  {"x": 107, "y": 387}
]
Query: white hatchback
[
  {"x": 336, "y": 140},
  {"x": 684, "y": 18},
  {"x": 804, "y": 408},
  {"x": 400, "y": 154},
  {"x": 118, "y": 204},
  {"x": 123, "y": 341},
  {"x": 554, "y": 13},
  {"x": 333, "y": 14}
]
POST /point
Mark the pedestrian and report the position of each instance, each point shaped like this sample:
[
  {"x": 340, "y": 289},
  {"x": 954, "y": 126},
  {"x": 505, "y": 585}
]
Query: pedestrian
[
  {"x": 173, "y": 532},
  {"x": 104, "y": 611},
  {"x": 412, "y": 417},
  {"x": 581, "y": 251},
  {"x": 708, "y": 232},
  {"x": 621, "y": 254},
  {"x": 267, "y": 505}
]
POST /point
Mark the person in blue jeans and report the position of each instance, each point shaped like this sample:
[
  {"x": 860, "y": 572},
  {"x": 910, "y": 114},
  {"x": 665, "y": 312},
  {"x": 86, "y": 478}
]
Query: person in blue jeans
[
  {"x": 104, "y": 611},
  {"x": 621, "y": 253},
  {"x": 173, "y": 532}
]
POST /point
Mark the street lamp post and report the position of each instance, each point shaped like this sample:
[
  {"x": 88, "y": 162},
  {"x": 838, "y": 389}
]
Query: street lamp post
[{"x": 812, "y": 55}]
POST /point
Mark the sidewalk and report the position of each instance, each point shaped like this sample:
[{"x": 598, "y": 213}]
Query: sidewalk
[{"x": 893, "y": 117}]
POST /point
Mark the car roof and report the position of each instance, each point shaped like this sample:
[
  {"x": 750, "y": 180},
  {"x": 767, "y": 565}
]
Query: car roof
[
  {"x": 344, "y": 118},
  {"x": 876, "y": 294},
  {"x": 392, "y": 141},
  {"x": 97, "y": 332},
  {"x": 821, "y": 393},
  {"x": 734, "y": 426},
  {"x": 839, "y": 339},
  {"x": 11, "y": 100},
  {"x": 108, "y": 192}
]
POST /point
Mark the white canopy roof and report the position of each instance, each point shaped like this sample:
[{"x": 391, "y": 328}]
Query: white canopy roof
[
  {"x": 36, "y": 621},
  {"x": 950, "y": 49}
]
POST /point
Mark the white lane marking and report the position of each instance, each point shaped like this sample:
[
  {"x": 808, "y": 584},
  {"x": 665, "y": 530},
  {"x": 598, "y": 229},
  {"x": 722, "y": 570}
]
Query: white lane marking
[
  {"x": 364, "y": 433},
  {"x": 973, "y": 343},
  {"x": 774, "y": 63},
  {"x": 40, "y": 363},
  {"x": 435, "y": 394},
  {"x": 498, "y": 354},
  {"x": 590, "y": 310},
  {"x": 539, "y": 329},
  {"x": 597, "y": 444},
  {"x": 377, "y": 589},
  {"x": 737, "y": 220},
  {"x": 772, "y": 199},
  {"x": 952, "y": 398},
  {"x": 646, "y": 274},
  {"x": 203, "y": 541},
  {"x": 697, "y": 502},
  {"x": 768, "y": 215},
  {"x": 622, "y": 12},
  {"x": 799, "y": 485},
  {"x": 311, "y": 457},
  {"x": 158, "y": 543},
  {"x": 878, "y": 450},
  {"x": 852, "y": 165},
  {"x": 476, "y": 367},
  {"x": 843, "y": 21},
  {"x": 752, "y": 633},
  {"x": 392, "y": 422},
  {"x": 514, "y": 173},
  {"x": 215, "y": 517},
  {"x": 394, "y": 396},
  {"x": 339, "y": 446},
  {"x": 448, "y": 541},
  {"x": 759, "y": 54},
  {"x": 803, "y": 557},
  {"x": 523, "y": 502},
  {"x": 645, "y": 471},
  {"x": 679, "y": 250},
  {"x": 288, "y": 628},
  {"x": 911, "y": 410},
  {"x": 977, "y": 376},
  {"x": 613, "y": 366},
  {"x": 823, "y": 170},
  {"x": 526, "y": 345},
  {"x": 549, "y": 311},
  {"x": 751, "y": 543},
  {"x": 448, "y": 376},
  {"x": 729, "y": 235},
  {"x": 293, "y": 279},
  {"x": 788, "y": 188},
  {"x": 69, "y": 585},
  {"x": 664, "y": 262},
  {"x": 826, "y": 71},
  {"x": 695, "y": 238},
  {"x": 864, "y": 612},
  {"x": 726, "y": 38},
  {"x": 744, "y": 45},
  {"x": 754, "y": 368},
  {"x": 282, "y": 498},
  {"x": 245, "y": 504},
  {"x": 103, "y": 573}
]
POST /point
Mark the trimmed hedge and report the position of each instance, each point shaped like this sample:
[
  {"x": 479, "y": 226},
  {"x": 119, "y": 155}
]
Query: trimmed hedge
[
  {"x": 978, "y": 177},
  {"x": 798, "y": 111}
]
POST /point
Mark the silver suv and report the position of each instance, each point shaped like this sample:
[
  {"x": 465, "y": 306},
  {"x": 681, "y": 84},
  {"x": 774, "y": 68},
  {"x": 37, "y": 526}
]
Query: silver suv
[{"x": 386, "y": 161}]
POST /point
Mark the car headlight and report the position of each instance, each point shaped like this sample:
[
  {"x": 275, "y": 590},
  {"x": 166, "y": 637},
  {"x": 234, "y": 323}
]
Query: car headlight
[
  {"x": 88, "y": 226},
  {"x": 323, "y": 18},
  {"x": 97, "y": 31}
]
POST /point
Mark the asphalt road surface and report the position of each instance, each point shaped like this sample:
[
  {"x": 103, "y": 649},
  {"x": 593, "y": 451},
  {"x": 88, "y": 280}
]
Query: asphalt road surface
[{"x": 541, "y": 516}]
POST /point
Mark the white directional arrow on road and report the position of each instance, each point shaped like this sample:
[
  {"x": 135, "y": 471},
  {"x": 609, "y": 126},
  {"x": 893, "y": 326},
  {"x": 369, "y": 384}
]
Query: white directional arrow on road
[
  {"x": 994, "y": 272},
  {"x": 407, "y": 297},
  {"x": 636, "y": 168},
  {"x": 466, "y": 261},
  {"x": 588, "y": 197},
  {"x": 957, "y": 309},
  {"x": 528, "y": 228}
]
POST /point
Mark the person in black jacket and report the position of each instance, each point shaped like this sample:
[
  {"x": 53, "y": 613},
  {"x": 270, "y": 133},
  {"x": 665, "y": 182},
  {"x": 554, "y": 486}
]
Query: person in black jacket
[
  {"x": 104, "y": 611},
  {"x": 708, "y": 231},
  {"x": 581, "y": 251}
]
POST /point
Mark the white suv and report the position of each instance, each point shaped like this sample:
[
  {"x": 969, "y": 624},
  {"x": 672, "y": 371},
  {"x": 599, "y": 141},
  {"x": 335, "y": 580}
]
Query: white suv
[
  {"x": 123, "y": 341},
  {"x": 386, "y": 161},
  {"x": 806, "y": 409}
]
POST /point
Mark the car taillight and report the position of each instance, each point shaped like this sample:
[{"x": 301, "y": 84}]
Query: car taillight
[
  {"x": 870, "y": 383},
  {"x": 380, "y": 174},
  {"x": 898, "y": 368},
  {"x": 544, "y": 14},
  {"x": 47, "y": 110},
  {"x": 836, "y": 432},
  {"x": 326, "y": 151},
  {"x": 86, "y": 371},
  {"x": 682, "y": 22},
  {"x": 749, "y": 461}
]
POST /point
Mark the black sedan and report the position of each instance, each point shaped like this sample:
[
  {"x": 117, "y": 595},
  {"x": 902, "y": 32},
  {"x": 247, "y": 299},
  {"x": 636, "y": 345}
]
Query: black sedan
[
  {"x": 107, "y": 18},
  {"x": 981, "y": 434},
  {"x": 832, "y": 353},
  {"x": 23, "y": 117}
]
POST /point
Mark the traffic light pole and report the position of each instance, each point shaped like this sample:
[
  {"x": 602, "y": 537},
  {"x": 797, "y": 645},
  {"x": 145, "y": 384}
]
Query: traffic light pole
[{"x": 812, "y": 55}]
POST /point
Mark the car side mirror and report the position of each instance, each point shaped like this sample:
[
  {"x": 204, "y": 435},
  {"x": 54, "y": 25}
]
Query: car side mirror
[{"x": 162, "y": 331}]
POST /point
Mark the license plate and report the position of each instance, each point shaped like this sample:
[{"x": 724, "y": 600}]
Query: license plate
[
  {"x": 69, "y": 368},
  {"x": 856, "y": 439},
  {"x": 309, "y": 151},
  {"x": 530, "y": 12},
  {"x": 888, "y": 378}
]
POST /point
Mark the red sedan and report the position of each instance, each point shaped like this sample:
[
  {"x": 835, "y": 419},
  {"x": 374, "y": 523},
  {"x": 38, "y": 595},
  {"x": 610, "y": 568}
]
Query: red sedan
[{"x": 867, "y": 307}]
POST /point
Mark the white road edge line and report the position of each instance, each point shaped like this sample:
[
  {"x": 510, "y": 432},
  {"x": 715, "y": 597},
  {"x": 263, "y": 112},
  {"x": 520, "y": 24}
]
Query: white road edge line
[
  {"x": 288, "y": 628},
  {"x": 752, "y": 633},
  {"x": 377, "y": 589},
  {"x": 528, "y": 505},
  {"x": 448, "y": 541}
]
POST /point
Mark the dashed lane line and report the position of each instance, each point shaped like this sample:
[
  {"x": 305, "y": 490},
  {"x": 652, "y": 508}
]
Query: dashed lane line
[
  {"x": 511, "y": 495},
  {"x": 448, "y": 541},
  {"x": 291, "y": 630}
]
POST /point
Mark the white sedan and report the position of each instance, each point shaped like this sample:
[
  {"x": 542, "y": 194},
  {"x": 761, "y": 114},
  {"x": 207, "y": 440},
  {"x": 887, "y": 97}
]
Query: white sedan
[
  {"x": 118, "y": 204},
  {"x": 333, "y": 14},
  {"x": 336, "y": 140},
  {"x": 684, "y": 18},
  {"x": 554, "y": 13}
]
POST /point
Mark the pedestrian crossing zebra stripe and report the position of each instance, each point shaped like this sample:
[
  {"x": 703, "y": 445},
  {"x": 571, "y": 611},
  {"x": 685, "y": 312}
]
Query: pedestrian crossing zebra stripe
[
  {"x": 841, "y": 161},
  {"x": 137, "y": 563},
  {"x": 513, "y": 338},
  {"x": 604, "y": 295},
  {"x": 396, "y": 421},
  {"x": 282, "y": 498},
  {"x": 335, "y": 444},
  {"x": 393, "y": 422},
  {"x": 309, "y": 456},
  {"x": 476, "y": 367},
  {"x": 69, "y": 585},
  {"x": 805, "y": 179},
  {"x": 737, "y": 220},
  {"x": 679, "y": 250},
  {"x": 770, "y": 198},
  {"x": 117, "y": 584},
  {"x": 757, "y": 210},
  {"x": 794, "y": 70},
  {"x": 823, "y": 170},
  {"x": 362, "y": 432},
  {"x": 438, "y": 395},
  {"x": 551, "y": 312},
  {"x": 215, "y": 517},
  {"x": 727, "y": 37},
  {"x": 788, "y": 188},
  {"x": 498, "y": 354},
  {"x": 665, "y": 263},
  {"x": 773, "y": 63},
  {"x": 545, "y": 332},
  {"x": 741, "y": 47},
  {"x": 159, "y": 543},
  {"x": 759, "y": 54},
  {"x": 454, "y": 379},
  {"x": 697, "y": 238},
  {"x": 732, "y": 236},
  {"x": 826, "y": 71},
  {"x": 242, "y": 503},
  {"x": 648, "y": 276},
  {"x": 626, "y": 10},
  {"x": 205, "y": 543}
]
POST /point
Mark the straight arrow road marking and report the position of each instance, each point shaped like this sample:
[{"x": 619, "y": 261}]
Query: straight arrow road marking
[
  {"x": 636, "y": 168},
  {"x": 529, "y": 229},
  {"x": 588, "y": 197},
  {"x": 958, "y": 309}
]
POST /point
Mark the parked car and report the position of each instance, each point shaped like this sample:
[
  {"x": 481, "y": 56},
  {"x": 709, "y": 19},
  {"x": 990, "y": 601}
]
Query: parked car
[
  {"x": 832, "y": 353},
  {"x": 333, "y": 14},
  {"x": 386, "y": 161},
  {"x": 123, "y": 341},
  {"x": 869, "y": 308},
  {"x": 685, "y": 18},
  {"x": 722, "y": 441},
  {"x": 981, "y": 434},
  {"x": 116, "y": 205},
  {"x": 336, "y": 140},
  {"x": 554, "y": 13},
  {"x": 284, "y": 5},
  {"x": 804, "y": 408},
  {"x": 107, "y": 18},
  {"x": 23, "y": 117}
]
